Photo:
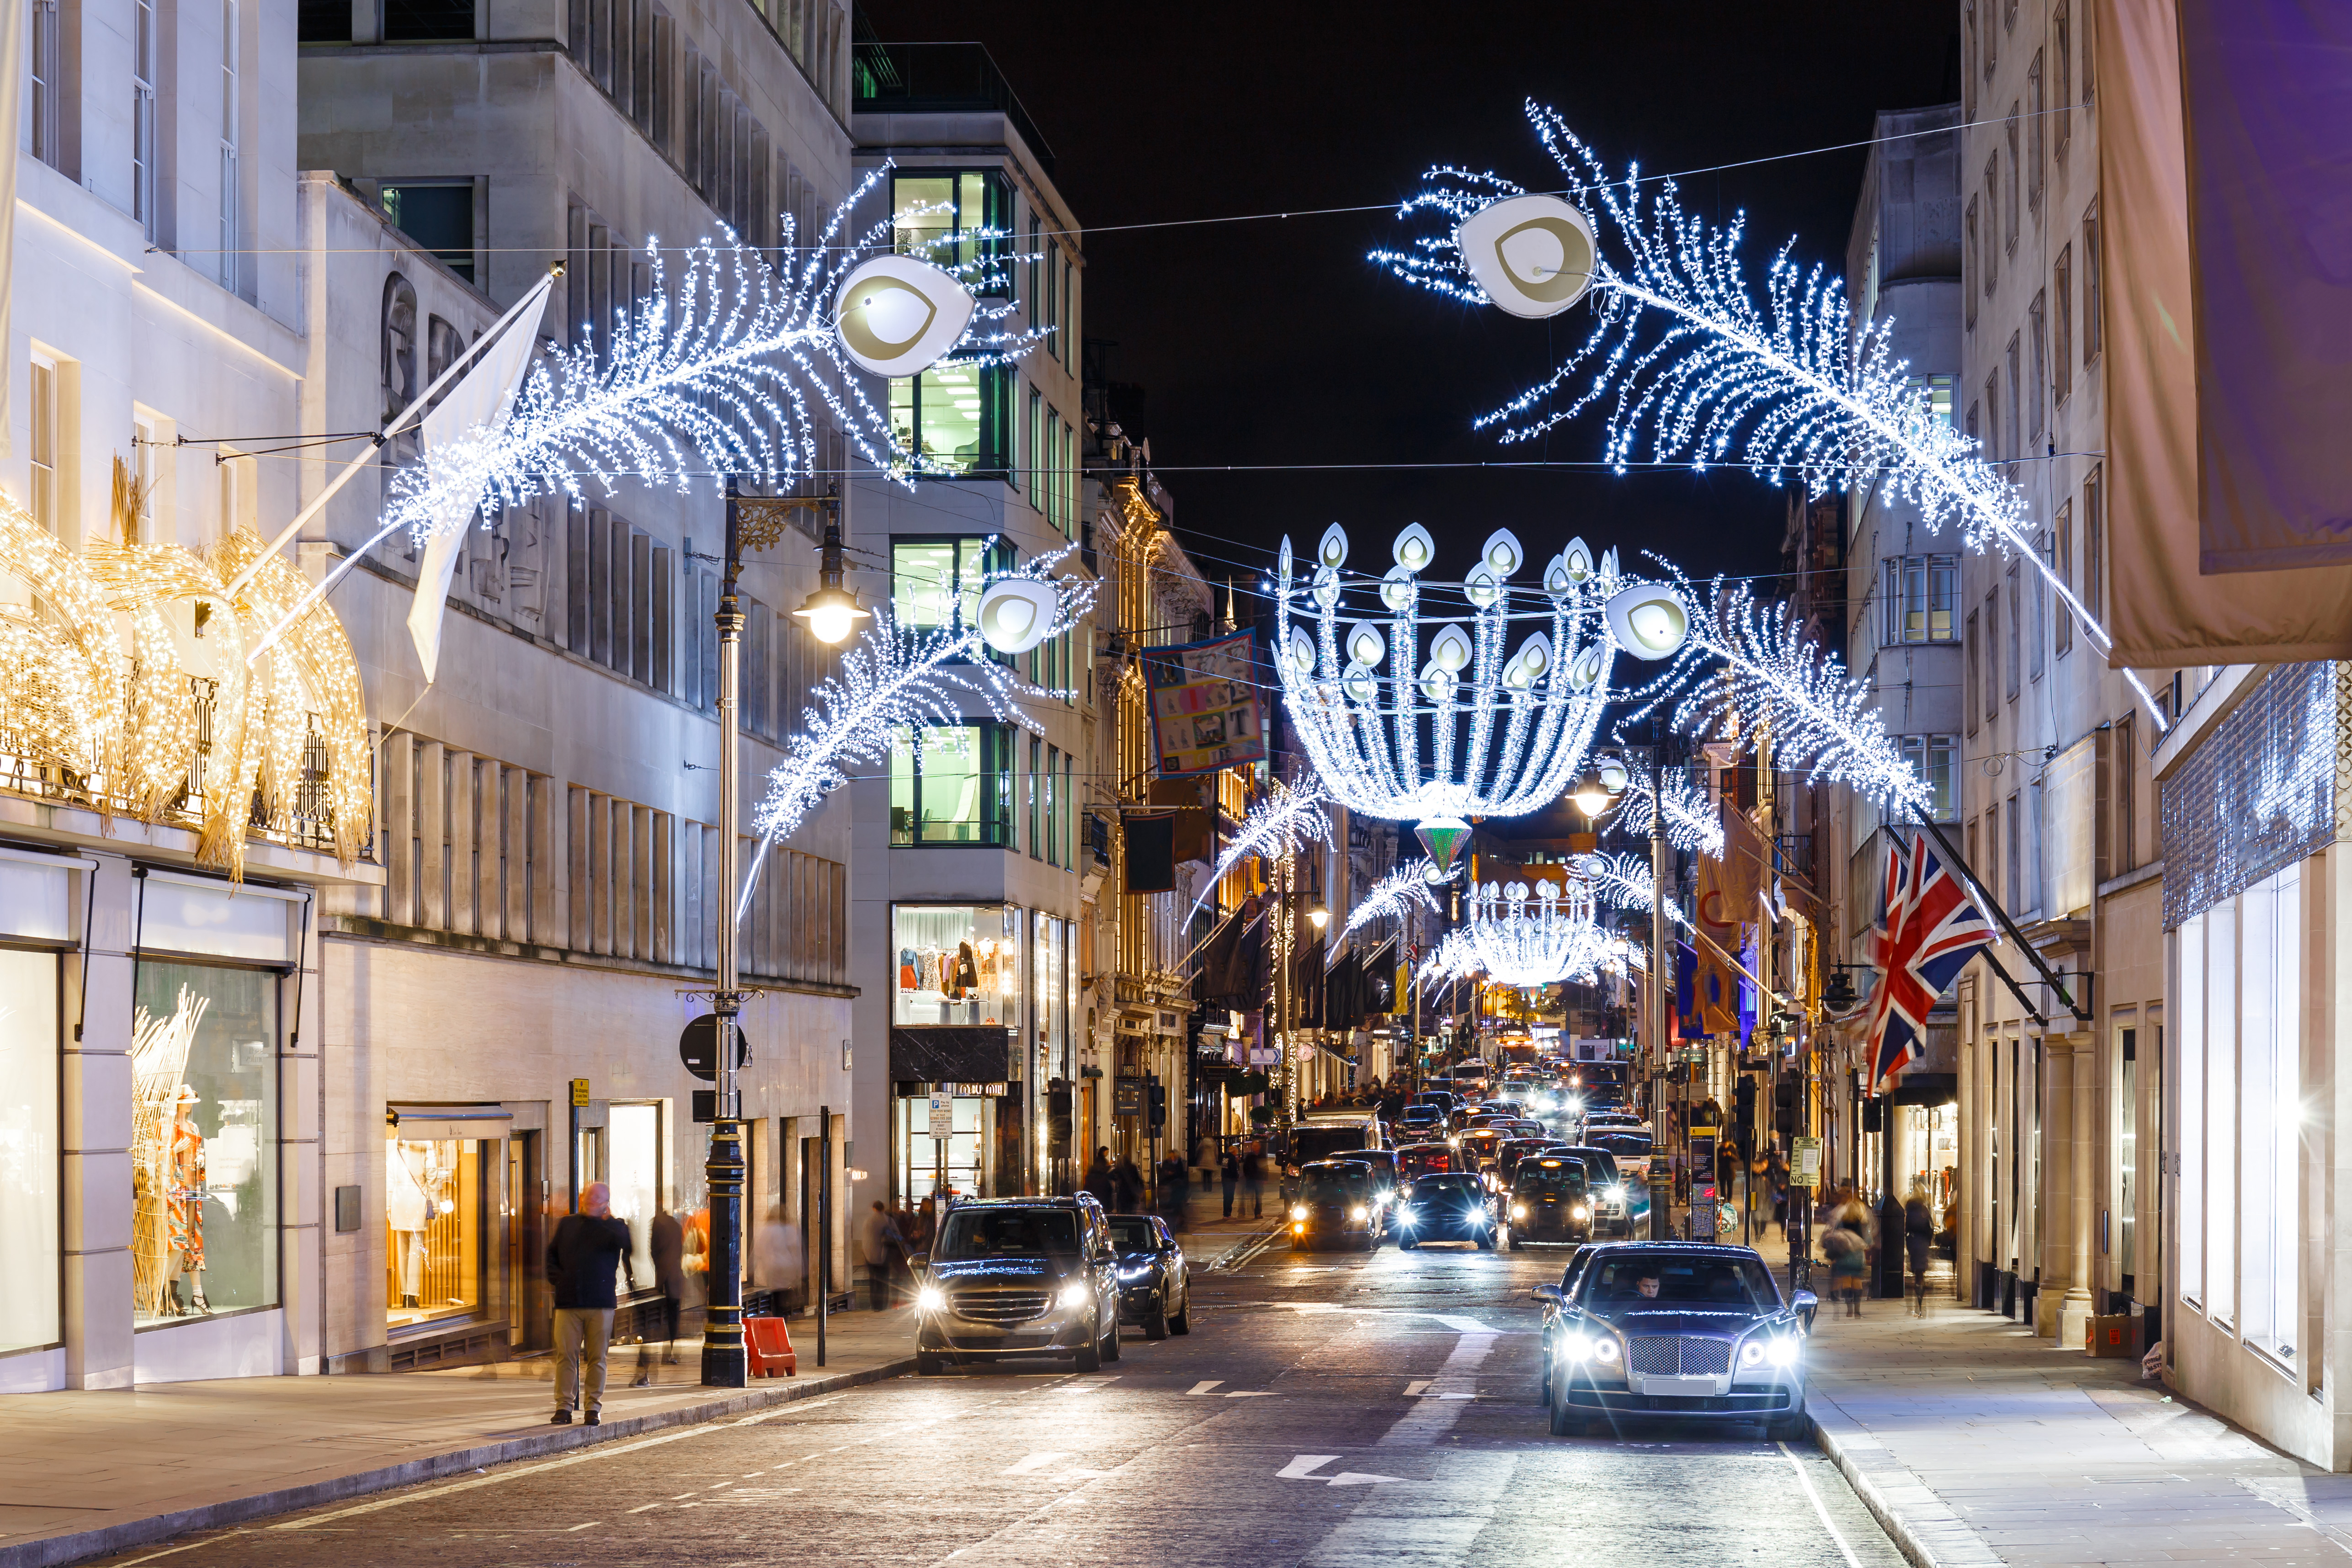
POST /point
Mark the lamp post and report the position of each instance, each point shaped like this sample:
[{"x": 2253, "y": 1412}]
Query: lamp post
[
  {"x": 1662, "y": 969},
  {"x": 722, "y": 1319}
]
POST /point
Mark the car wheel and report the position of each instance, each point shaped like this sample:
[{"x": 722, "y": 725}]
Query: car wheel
[
  {"x": 1181, "y": 1323},
  {"x": 1543, "y": 1386},
  {"x": 929, "y": 1364},
  {"x": 1089, "y": 1358},
  {"x": 1792, "y": 1429},
  {"x": 1110, "y": 1341},
  {"x": 1564, "y": 1423},
  {"x": 1155, "y": 1321}
]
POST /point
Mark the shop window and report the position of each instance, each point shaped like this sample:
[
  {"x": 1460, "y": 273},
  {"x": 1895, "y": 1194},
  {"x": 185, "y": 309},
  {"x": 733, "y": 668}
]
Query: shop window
[
  {"x": 956, "y": 964},
  {"x": 204, "y": 1141},
  {"x": 28, "y": 1150},
  {"x": 951, "y": 784},
  {"x": 2270, "y": 1046},
  {"x": 2190, "y": 955},
  {"x": 632, "y": 1165},
  {"x": 434, "y": 1206},
  {"x": 958, "y": 417},
  {"x": 927, "y": 1163}
]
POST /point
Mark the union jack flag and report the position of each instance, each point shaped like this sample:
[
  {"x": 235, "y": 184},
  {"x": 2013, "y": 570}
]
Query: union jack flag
[{"x": 1928, "y": 928}]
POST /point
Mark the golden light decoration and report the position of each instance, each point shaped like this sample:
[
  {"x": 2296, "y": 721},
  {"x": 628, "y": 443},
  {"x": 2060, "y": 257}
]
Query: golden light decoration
[{"x": 61, "y": 677}]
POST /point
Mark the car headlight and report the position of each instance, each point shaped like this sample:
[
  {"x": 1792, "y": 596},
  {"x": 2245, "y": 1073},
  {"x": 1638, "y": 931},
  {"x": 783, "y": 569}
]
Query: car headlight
[
  {"x": 1581, "y": 1212},
  {"x": 1142, "y": 1272},
  {"x": 1605, "y": 1350},
  {"x": 1615, "y": 1195},
  {"x": 1781, "y": 1351},
  {"x": 1360, "y": 1212},
  {"x": 1751, "y": 1353},
  {"x": 1404, "y": 1215},
  {"x": 1299, "y": 1212},
  {"x": 930, "y": 1299},
  {"x": 1518, "y": 1211},
  {"x": 1077, "y": 1293}
]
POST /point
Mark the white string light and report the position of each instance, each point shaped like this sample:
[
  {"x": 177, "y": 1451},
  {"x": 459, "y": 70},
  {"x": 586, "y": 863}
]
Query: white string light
[
  {"x": 1790, "y": 384},
  {"x": 1393, "y": 895},
  {"x": 1285, "y": 818},
  {"x": 1517, "y": 936}
]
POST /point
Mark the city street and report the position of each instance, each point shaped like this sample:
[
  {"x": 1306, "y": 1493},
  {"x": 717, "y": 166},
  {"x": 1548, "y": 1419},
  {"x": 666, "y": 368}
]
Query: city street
[{"x": 1326, "y": 1409}]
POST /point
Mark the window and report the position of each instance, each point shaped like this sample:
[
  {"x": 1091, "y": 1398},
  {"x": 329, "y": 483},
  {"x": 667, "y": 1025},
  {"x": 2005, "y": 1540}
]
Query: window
[
  {"x": 438, "y": 214},
  {"x": 2038, "y": 636},
  {"x": 1036, "y": 793},
  {"x": 1989, "y": 867},
  {"x": 45, "y": 82},
  {"x": 2013, "y": 445},
  {"x": 2270, "y": 1048},
  {"x": 2125, "y": 854},
  {"x": 958, "y": 418},
  {"x": 2063, "y": 629},
  {"x": 228, "y": 146},
  {"x": 1933, "y": 397},
  {"x": 203, "y": 1141},
  {"x": 1973, "y": 47},
  {"x": 1921, "y": 594},
  {"x": 2092, "y": 292},
  {"x": 1033, "y": 449},
  {"x": 1992, "y": 655},
  {"x": 2033, "y": 135},
  {"x": 2016, "y": 630},
  {"x": 1936, "y": 759},
  {"x": 427, "y": 21},
  {"x": 1973, "y": 438},
  {"x": 2037, "y": 326},
  {"x": 2016, "y": 180},
  {"x": 2062, "y": 35},
  {"x": 439, "y": 1213},
  {"x": 1974, "y": 863},
  {"x": 2221, "y": 1110},
  {"x": 935, "y": 583},
  {"x": 30, "y": 1199},
  {"x": 1970, "y": 697},
  {"x": 2034, "y": 885},
  {"x": 617, "y": 584},
  {"x": 43, "y": 416},
  {"x": 951, "y": 784},
  {"x": 143, "y": 117},
  {"x": 938, "y": 214},
  {"x": 2127, "y": 1135},
  {"x": 2189, "y": 954},
  {"x": 2013, "y": 888},
  {"x": 1991, "y": 46},
  {"x": 1991, "y": 218},
  {"x": 2094, "y": 595},
  {"x": 2061, "y": 358}
]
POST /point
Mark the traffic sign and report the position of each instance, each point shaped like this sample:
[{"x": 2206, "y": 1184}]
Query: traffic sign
[
  {"x": 942, "y": 1116},
  {"x": 698, "y": 1047}
]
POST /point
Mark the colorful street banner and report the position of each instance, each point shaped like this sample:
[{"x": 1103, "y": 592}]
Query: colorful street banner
[{"x": 1206, "y": 712}]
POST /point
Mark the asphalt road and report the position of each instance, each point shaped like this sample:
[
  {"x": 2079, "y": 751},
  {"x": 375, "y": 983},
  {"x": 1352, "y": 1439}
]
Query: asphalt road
[{"x": 1328, "y": 1409}]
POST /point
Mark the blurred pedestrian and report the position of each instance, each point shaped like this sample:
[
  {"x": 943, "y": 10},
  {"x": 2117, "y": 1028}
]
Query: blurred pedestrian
[
  {"x": 876, "y": 1234},
  {"x": 1232, "y": 1172},
  {"x": 588, "y": 1246},
  {"x": 1919, "y": 1237},
  {"x": 1126, "y": 1182},
  {"x": 1175, "y": 1190},
  {"x": 1099, "y": 1181},
  {"x": 1254, "y": 1182},
  {"x": 665, "y": 1241}
]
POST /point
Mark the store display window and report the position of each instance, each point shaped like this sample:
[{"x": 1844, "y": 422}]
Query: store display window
[
  {"x": 204, "y": 1141},
  {"x": 925, "y": 1162},
  {"x": 957, "y": 964},
  {"x": 28, "y": 1150},
  {"x": 634, "y": 1175},
  {"x": 435, "y": 1209}
]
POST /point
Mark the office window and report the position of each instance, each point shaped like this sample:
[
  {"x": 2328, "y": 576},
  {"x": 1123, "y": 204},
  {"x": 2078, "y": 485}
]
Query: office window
[
  {"x": 2222, "y": 1111},
  {"x": 1989, "y": 868},
  {"x": 2062, "y": 289},
  {"x": 142, "y": 115},
  {"x": 1991, "y": 218},
  {"x": 2033, "y": 132},
  {"x": 43, "y": 417},
  {"x": 1991, "y": 449},
  {"x": 2016, "y": 179},
  {"x": 942, "y": 214},
  {"x": 1933, "y": 396},
  {"x": 1992, "y": 44},
  {"x": 1033, "y": 781},
  {"x": 2188, "y": 1011},
  {"x": 2270, "y": 1046},
  {"x": 2061, "y": 43},
  {"x": 2125, "y": 792},
  {"x": 1053, "y": 805},
  {"x": 2014, "y": 440},
  {"x": 1992, "y": 655},
  {"x": 1975, "y": 267},
  {"x": 1975, "y": 864},
  {"x": 1935, "y": 759},
  {"x": 951, "y": 784},
  {"x": 2063, "y": 628},
  {"x": 2013, "y": 887},
  {"x": 935, "y": 583},
  {"x": 2016, "y": 631},
  {"x": 1920, "y": 594},
  {"x": 1974, "y": 658},
  {"x": 2037, "y": 324},
  {"x": 958, "y": 418},
  {"x": 434, "y": 21},
  {"x": 44, "y": 82},
  {"x": 2094, "y": 592},
  {"x": 1972, "y": 50},
  {"x": 438, "y": 214},
  {"x": 2034, "y": 877},
  {"x": 2037, "y": 636},
  {"x": 2092, "y": 289}
]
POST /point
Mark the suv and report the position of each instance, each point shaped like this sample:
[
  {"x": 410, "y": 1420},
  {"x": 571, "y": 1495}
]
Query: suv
[{"x": 1012, "y": 1277}]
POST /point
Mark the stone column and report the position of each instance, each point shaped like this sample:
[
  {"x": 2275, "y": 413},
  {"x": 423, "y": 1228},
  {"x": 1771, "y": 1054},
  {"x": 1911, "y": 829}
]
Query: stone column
[
  {"x": 2053, "y": 1228},
  {"x": 2074, "y": 1314}
]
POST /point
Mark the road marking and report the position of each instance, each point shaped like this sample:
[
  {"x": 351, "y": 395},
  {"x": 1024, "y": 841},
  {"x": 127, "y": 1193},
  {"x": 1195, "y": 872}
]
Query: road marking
[
  {"x": 1036, "y": 1462},
  {"x": 681, "y": 1497},
  {"x": 1815, "y": 1498},
  {"x": 1412, "y": 1390},
  {"x": 1358, "y": 1479},
  {"x": 1300, "y": 1468},
  {"x": 1251, "y": 1394},
  {"x": 590, "y": 1525},
  {"x": 1074, "y": 1473},
  {"x": 1203, "y": 1388},
  {"x": 1085, "y": 1388},
  {"x": 643, "y": 1507}
]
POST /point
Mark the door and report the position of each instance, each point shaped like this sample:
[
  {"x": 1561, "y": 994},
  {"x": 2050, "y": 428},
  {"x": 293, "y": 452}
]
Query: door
[{"x": 530, "y": 1301}]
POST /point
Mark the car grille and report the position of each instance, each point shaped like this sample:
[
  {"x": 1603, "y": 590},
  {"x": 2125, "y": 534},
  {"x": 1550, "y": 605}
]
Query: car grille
[
  {"x": 1666, "y": 1355},
  {"x": 997, "y": 1306}
]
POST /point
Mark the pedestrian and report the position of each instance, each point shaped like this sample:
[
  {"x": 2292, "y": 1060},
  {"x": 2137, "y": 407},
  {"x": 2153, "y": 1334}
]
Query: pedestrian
[
  {"x": 665, "y": 1241},
  {"x": 1919, "y": 1237},
  {"x": 1254, "y": 1182},
  {"x": 1099, "y": 1181},
  {"x": 588, "y": 1247},
  {"x": 1127, "y": 1183},
  {"x": 1232, "y": 1172},
  {"x": 1175, "y": 1188},
  {"x": 1849, "y": 1259},
  {"x": 877, "y": 1234}
]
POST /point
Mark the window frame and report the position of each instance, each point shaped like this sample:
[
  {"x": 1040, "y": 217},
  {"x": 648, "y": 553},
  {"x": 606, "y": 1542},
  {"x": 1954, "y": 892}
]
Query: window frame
[
  {"x": 993, "y": 787},
  {"x": 996, "y": 212},
  {"x": 992, "y": 456},
  {"x": 996, "y": 556}
]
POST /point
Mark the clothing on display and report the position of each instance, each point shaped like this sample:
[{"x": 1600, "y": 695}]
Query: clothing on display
[
  {"x": 950, "y": 973},
  {"x": 167, "y": 1163}
]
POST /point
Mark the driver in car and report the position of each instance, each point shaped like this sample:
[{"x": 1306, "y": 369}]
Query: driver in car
[{"x": 1648, "y": 1284}]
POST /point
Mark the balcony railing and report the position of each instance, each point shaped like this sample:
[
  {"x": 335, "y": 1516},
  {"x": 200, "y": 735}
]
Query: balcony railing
[{"x": 940, "y": 78}]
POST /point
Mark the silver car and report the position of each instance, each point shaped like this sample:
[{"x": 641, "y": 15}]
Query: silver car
[{"x": 1675, "y": 1330}]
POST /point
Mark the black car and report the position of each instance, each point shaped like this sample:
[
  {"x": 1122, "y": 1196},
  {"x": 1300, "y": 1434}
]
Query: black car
[
  {"x": 1677, "y": 1329},
  {"x": 1450, "y": 1205},
  {"x": 1549, "y": 1201},
  {"x": 1155, "y": 1288},
  {"x": 1019, "y": 1277},
  {"x": 1333, "y": 1203},
  {"x": 1382, "y": 1163},
  {"x": 1417, "y": 1122},
  {"x": 1621, "y": 1202}
]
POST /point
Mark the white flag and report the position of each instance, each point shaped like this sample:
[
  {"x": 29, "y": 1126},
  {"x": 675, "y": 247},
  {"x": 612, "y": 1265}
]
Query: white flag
[{"x": 484, "y": 396}]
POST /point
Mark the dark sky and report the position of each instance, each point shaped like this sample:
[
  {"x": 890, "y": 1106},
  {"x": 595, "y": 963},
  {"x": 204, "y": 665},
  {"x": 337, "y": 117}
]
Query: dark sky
[{"x": 1276, "y": 343}]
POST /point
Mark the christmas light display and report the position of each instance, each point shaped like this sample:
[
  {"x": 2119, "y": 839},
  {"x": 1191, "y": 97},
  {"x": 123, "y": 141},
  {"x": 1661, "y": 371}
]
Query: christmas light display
[
  {"x": 1625, "y": 882},
  {"x": 1393, "y": 894},
  {"x": 1790, "y": 386},
  {"x": 1518, "y": 936},
  {"x": 1691, "y": 823},
  {"x": 1285, "y": 819}
]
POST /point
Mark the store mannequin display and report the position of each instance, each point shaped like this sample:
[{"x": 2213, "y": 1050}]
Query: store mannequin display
[
  {"x": 407, "y": 1209},
  {"x": 185, "y": 1207}
]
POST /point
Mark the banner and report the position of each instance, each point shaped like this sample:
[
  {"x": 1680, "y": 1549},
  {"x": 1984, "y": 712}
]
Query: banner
[{"x": 1206, "y": 712}]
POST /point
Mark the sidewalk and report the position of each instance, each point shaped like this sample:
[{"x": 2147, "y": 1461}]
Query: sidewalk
[
  {"x": 94, "y": 1473},
  {"x": 1975, "y": 1443}
]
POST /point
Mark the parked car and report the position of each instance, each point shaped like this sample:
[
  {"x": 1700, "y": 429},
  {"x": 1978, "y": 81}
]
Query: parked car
[
  {"x": 1012, "y": 1277},
  {"x": 1548, "y": 1202},
  {"x": 1677, "y": 1329},
  {"x": 1449, "y": 1206},
  {"x": 1155, "y": 1289},
  {"x": 1334, "y": 1204}
]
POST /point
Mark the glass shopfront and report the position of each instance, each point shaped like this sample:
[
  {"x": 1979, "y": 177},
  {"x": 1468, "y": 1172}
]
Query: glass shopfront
[
  {"x": 438, "y": 1210},
  {"x": 634, "y": 1175},
  {"x": 203, "y": 1141},
  {"x": 926, "y": 1163},
  {"x": 29, "y": 1198},
  {"x": 958, "y": 964}
]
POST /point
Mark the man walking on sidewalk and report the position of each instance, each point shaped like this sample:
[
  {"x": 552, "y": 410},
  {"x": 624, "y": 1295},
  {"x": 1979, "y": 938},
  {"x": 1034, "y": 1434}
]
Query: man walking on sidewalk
[
  {"x": 1233, "y": 1175},
  {"x": 588, "y": 1246}
]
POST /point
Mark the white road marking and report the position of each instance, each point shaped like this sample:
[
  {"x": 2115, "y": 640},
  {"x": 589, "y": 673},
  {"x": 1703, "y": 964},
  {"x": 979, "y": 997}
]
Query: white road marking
[
  {"x": 590, "y": 1525},
  {"x": 1036, "y": 1462},
  {"x": 1359, "y": 1478},
  {"x": 1077, "y": 1474},
  {"x": 1815, "y": 1499},
  {"x": 1085, "y": 1387},
  {"x": 1251, "y": 1394},
  {"x": 1302, "y": 1468},
  {"x": 1412, "y": 1390},
  {"x": 599, "y": 1452},
  {"x": 643, "y": 1507},
  {"x": 1203, "y": 1388}
]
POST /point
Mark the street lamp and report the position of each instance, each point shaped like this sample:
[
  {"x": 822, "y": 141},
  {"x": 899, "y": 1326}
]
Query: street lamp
[
  {"x": 1318, "y": 916},
  {"x": 831, "y": 611},
  {"x": 1591, "y": 794}
]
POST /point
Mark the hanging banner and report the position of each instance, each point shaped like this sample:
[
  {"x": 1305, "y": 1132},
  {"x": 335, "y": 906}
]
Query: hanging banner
[{"x": 1206, "y": 712}]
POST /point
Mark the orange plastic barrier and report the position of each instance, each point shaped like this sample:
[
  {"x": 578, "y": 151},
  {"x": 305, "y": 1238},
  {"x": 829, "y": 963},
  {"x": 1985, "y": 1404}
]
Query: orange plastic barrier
[{"x": 768, "y": 1348}]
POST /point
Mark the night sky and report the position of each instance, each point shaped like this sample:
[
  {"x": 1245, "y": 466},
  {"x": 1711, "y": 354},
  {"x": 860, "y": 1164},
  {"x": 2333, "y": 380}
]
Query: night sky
[{"x": 1276, "y": 343}]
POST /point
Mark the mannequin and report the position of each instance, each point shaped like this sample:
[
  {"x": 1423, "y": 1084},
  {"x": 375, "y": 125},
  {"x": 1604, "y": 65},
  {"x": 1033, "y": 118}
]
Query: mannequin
[
  {"x": 184, "y": 1206},
  {"x": 407, "y": 1210}
]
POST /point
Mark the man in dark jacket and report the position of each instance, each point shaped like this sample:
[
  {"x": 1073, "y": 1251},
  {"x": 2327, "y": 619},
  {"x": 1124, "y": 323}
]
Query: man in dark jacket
[
  {"x": 666, "y": 1239},
  {"x": 588, "y": 1246},
  {"x": 1099, "y": 1181}
]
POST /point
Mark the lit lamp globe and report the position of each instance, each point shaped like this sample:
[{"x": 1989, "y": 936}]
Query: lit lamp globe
[
  {"x": 1318, "y": 916},
  {"x": 1591, "y": 795},
  {"x": 832, "y": 613}
]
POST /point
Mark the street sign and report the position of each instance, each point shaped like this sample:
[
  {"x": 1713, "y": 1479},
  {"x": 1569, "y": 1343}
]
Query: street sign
[
  {"x": 1126, "y": 1097},
  {"x": 942, "y": 1116},
  {"x": 580, "y": 1091},
  {"x": 698, "y": 1047},
  {"x": 1805, "y": 1163}
]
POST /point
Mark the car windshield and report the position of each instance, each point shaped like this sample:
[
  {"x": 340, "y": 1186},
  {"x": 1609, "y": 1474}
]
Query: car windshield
[
  {"x": 1321, "y": 1143},
  {"x": 1628, "y": 1282},
  {"x": 1625, "y": 1146},
  {"x": 1558, "y": 1177},
  {"x": 971, "y": 1234},
  {"x": 1434, "y": 1187},
  {"x": 1132, "y": 1233},
  {"x": 1336, "y": 1185}
]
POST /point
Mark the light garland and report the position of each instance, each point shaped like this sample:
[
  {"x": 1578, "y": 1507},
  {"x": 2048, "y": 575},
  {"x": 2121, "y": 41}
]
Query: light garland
[
  {"x": 1507, "y": 727},
  {"x": 1285, "y": 817},
  {"x": 1517, "y": 936},
  {"x": 1691, "y": 823},
  {"x": 1790, "y": 385},
  {"x": 1393, "y": 894}
]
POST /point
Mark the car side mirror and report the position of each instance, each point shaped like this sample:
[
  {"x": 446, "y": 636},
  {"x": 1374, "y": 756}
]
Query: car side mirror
[
  {"x": 918, "y": 1261},
  {"x": 1546, "y": 1293},
  {"x": 1807, "y": 1304}
]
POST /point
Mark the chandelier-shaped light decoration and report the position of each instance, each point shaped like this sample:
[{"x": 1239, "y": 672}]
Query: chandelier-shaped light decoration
[
  {"x": 1434, "y": 703},
  {"x": 1518, "y": 936},
  {"x": 1787, "y": 385}
]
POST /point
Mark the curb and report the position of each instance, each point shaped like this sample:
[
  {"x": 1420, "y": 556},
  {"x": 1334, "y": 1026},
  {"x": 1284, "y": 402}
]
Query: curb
[
  {"x": 52, "y": 1550},
  {"x": 1923, "y": 1527}
]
